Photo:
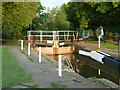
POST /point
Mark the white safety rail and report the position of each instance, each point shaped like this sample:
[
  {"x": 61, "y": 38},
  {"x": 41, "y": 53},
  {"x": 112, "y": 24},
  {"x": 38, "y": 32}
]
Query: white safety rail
[{"x": 53, "y": 35}]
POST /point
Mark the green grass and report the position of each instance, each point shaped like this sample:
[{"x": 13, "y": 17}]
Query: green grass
[
  {"x": 104, "y": 84},
  {"x": 93, "y": 77},
  {"x": 104, "y": 45},
  {"x": 91, "y": 41},
  {"x": 47, "y": 59},
  {"x": 0, "y": 67},
  {"x": 57, "y": 85},
  {"x": 27, "y": 56},
  {"x": 12, "y": 72},
  {"x": 110, "y": 46},
  {"x": 7, "y": 43}
]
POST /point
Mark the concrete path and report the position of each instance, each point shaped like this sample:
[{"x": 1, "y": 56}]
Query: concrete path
[{"x": 45, "y": 74}]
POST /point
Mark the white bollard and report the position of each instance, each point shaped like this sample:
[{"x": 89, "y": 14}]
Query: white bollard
[
  {"x": 99, "y": 41},
  {"x": 99, "y": 71},
  {"x": 39, "y": 54},
  {"x": 29, "y": 49},
  {"x": 60, "y": 66},
  {"x": 21, "y": 44}
]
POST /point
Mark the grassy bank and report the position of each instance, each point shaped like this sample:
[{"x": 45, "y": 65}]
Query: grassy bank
[
  {"x": 0, "y": 67},
  {"x": 110, "y": 45},
  {"x": 12, "y": 72}
]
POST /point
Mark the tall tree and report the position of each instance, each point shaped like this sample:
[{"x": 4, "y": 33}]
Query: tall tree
[
  {"x": 94, "y": 14},
  {"x": 15, "y": 16},
  {"x": 39, "y": 23},
  {"x": 60, "y": 20}
]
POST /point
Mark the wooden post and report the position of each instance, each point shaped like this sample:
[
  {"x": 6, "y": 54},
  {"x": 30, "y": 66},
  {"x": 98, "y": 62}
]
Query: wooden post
[
  {"x": 64, "y": 36},
  {"x": 39, "y": 54},
  {"x": 60, "y": 66},
  {"x": 21, "y": 44},
  {"x": 77, "y": 36}
]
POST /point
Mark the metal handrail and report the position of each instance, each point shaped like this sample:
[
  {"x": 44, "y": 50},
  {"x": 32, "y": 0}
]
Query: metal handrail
[{"x": 68, "y": 62}]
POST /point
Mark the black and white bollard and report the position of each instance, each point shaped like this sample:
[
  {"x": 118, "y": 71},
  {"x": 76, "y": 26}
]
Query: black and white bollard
[
  {"x": 28, "y": 49},
  {"x": 60, "y": 66},
  {"x": 21, "y": 44},
  {"x": 39, "y": 54}
]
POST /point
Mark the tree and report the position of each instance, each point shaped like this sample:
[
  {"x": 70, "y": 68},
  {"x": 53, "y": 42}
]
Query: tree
[
  {"x": 15, "y": 16},
  {"x": 56, "y": 19},
  {"x": 60, "y": 20},
  {"x": 39, "y": 23},
  {"x": 94, "y": 14},
  {"x": 51, "y": 19}
]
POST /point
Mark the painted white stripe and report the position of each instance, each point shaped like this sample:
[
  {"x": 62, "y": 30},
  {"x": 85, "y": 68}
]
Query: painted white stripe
[{"x": 103, "y": 53}]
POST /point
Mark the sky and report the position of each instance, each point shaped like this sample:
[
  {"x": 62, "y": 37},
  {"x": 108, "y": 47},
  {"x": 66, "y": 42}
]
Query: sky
[{"x": 53, "y": 3}]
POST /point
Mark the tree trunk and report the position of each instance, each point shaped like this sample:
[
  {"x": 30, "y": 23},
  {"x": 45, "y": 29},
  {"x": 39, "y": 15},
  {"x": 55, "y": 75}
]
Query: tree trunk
[{"x": 94, "y": 34}]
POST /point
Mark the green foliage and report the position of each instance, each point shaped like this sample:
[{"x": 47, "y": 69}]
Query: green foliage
[
  {"x": 57, "y": 85},
  {"x": 54, "y": 19},
  {"x": 0, "y": 67},
  {"x": 86, "y": 15},
  {"x": 110, "y": 46},
  {"x": 12, "y": 73},
  {"x": 15, "y": 16},
  {"x": 39, "y": 23},
  {"x": 60, "y": 20}
]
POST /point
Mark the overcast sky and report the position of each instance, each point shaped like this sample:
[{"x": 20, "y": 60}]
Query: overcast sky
[{"x": 53, "y": 3}]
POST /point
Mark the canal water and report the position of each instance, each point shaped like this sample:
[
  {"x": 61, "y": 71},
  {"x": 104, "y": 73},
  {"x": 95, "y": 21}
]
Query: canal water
[{"x": 90, "y": 68}]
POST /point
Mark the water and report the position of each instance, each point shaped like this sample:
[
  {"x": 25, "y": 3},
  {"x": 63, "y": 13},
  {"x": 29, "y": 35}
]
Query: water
[{"x": 88, "y": 67}]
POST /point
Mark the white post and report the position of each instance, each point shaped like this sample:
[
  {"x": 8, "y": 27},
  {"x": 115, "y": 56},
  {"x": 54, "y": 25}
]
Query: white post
[
  {"x": 41, "y": 36},
  {"x": 29, "y": 33},
  {"x": 99, "y": 41},
  {"x": 21, "y": 44},
  {"x": 53, "y": 36},
  {"x": 29, "y": 49},
  {"x": 39, "y": 54},
  {"x": 60, "y": 66},
  {"x": 83, "y": 34},
  {"x": 99, "y": 71}
]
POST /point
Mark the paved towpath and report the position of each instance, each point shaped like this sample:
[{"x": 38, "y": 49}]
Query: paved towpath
[{"x": 45, "y": 74}]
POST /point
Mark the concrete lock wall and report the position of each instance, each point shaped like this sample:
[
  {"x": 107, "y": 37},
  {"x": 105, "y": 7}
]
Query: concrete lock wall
[{"x": 57, "y": 50}]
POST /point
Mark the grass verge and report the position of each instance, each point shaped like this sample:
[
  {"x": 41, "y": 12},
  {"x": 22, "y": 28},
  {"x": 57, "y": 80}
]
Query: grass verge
[
  {"x": 57, "y": 85},
  {"x": 12, "y": 72},
  {"x": 110, "y": 46},
  {"x": 0, "y": 67}
]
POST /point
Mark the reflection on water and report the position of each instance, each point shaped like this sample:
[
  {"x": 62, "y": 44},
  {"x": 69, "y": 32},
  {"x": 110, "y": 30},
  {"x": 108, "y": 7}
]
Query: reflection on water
[{"x": 88, "y": 67}]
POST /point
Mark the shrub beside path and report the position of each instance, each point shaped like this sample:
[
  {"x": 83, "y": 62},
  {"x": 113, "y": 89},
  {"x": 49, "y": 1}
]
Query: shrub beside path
[{"x": 45, "y": 74}]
